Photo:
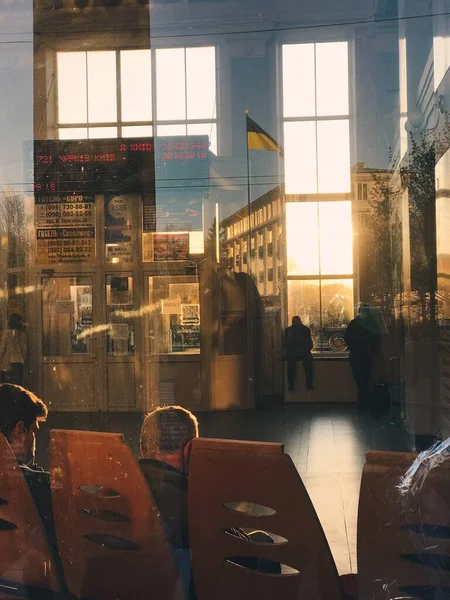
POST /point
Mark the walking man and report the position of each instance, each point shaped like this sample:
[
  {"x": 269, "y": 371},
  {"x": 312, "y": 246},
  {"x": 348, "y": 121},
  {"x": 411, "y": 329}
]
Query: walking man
[{"x": 297, "y": 346}]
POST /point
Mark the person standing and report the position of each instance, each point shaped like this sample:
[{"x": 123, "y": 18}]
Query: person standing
[
  {"x": 297, "y": 346},
  {"x": 362, "y": 340},
  {"x": 13, "y": 351}
]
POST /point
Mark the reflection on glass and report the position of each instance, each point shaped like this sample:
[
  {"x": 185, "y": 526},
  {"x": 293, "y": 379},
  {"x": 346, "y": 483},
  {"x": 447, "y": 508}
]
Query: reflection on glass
[
  {"x": 326, "y": 306},
  {"x": 336, "y": 238},
  {"x": 332, "y": 79},
  {"x": 201, "y": 83},
  {"x": 178, "y": 129},
  {"x": 137, "y": 131},
  {"x": 67, "y": 312},
  {"x": 72, "y": 90},
  {"x": 170, "y": 67},
  {"x": 98, "y": 133},
  {"x": 333, "y": 150},
  {"x": 118, "y": 228},
  {"x": 102, "y": 96},
  {"x": 298, "y": 80},
  {"x": 300, "y": 157},
  {"x": 175, "y": 325},
  {"x": 301, "y": 238},
  {"x": 209, "y": 129},
  {"x": 337, "y": 302},
  {"x": 73, "y": 133},
  {"x": 136, "y": 85},
  {"x": 119, "y": 300},
  {"x": 304, "y": 301}
]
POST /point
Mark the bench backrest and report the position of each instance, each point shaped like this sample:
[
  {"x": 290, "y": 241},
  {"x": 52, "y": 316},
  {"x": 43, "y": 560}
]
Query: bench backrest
[
  {"x": 26, "y": 562},
  {"x": 227, "y": 477},
  {"x": 109, "y": 531},
  {"x": 403, "y": 538}
]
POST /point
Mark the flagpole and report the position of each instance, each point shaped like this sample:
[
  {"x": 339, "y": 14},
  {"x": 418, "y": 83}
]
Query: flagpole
[{"x": 249, "y": 200}]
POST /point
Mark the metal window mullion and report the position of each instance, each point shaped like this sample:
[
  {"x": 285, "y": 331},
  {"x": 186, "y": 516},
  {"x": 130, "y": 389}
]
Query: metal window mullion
[
  {"x": 118, "y": 94},
  {"x": 185, "y": 90},
  {"x": 317, "y": 118}
]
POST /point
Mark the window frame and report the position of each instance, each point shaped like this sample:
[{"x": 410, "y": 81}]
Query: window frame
[
  {"x": 319, "y": 196},
  {"x": 119, "y": 123}
]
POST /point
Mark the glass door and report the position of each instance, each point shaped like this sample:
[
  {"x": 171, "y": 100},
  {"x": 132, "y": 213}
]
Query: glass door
[{"x": 71, "y": 371}]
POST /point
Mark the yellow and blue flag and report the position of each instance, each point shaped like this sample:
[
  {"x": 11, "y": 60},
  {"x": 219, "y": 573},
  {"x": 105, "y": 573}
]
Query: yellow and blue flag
[{"x": 258, "y": 139}]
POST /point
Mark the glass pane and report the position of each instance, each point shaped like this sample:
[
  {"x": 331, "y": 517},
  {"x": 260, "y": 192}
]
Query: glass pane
[
  {"x": 72, "y": 133},
  {"x": 304, "y": 301},
  {"x": 120, "y": 302},
  {"x": 102, "y": 86},
  {"x": 67, "y": 314},
  {"x": 302, "y": 238},
  {"x": 136, "y": 85},
  {"x": 196, "y": 242},
  {"x": 333, "y": 149},
  {"x": 299, "y": 98},
  {"x": 209, "y": 129},
  {"x": 119, "y": 232},
  {"x": 300, "y": 157},
  {"x": 72, "y": 92},
  {"x": 337, "y": 311},
  {"x": 102, "y": 132},
  {"x": 137, "y": 131},
  {"x": 176, "y": 322},
  {"x": 201, "y": 83},
  {"x": 336, "y": 238},
  {"x": 332, "y": 78},
  {"x": 170, "y": 84},
  {"x": 179, "y": 129}
]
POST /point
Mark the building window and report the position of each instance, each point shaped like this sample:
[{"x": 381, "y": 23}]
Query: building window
[
  {"x": 316, "y": 121},
  {"x": 261, "y": 277},
  {"x": 108, "y": 94},
  {"x": 320, "y": 269},
  {"x": 270, "y": 275},
  {"x": 362, "y": 191}
]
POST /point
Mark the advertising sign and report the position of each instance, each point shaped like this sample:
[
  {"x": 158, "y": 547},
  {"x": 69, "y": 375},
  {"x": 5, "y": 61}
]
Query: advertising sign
[
  {"x": 68, "y": 210},
  {"x": 170, "y": 246},
  {"x": 65, "y": 245}
]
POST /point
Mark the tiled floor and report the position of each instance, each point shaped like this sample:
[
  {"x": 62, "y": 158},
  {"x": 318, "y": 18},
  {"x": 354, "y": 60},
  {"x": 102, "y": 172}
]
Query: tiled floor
[{"x": 327, "y": 443}]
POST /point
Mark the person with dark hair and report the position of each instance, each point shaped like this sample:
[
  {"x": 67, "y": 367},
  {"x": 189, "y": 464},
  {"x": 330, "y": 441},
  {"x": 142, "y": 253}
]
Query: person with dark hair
[
  {"x": 13, "y": 350},
  {"x": 362, "y": 339},
  {"x": 165, "y": 436},
  {"x": 297, "y": 346},
  {"x": 21, "y": 411}
]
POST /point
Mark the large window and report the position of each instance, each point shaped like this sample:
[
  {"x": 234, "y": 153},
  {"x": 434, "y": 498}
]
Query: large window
[
  {"x": 320, "y": 267},
  {"x": 319, "y": 238},
  {"x": 316, "y": 118},
  {"x": 125, "y": 93}
]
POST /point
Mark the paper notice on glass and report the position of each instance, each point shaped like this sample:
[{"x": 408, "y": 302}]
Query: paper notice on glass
[
  {"x": 65, "y": 307},
  {"x": 171, "y": 306},
  {"x": 120, "y": 331},
  {"x": 86, "y": 301}
]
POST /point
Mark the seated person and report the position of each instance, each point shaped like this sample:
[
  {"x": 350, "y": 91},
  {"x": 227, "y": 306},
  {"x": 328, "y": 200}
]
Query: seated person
[
  {"x": 20, "y": 414},
  {"x": 164, "y": 447},
  {"x": 165, "y": 436}
]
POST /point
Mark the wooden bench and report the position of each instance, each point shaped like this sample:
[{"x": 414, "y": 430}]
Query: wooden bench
[
  {"x": 229, "y": 482},
  {"x": 110, "y": 536},
  {"x": 27, "y": 568},
  {"x": 403, "y": 538}
]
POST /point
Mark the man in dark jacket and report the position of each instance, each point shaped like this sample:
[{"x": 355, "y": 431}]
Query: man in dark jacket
[
  {"x": 20, "y": 414},
  {"x": 362, "y": 339},
  {"x": 297, "y": 346}
]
